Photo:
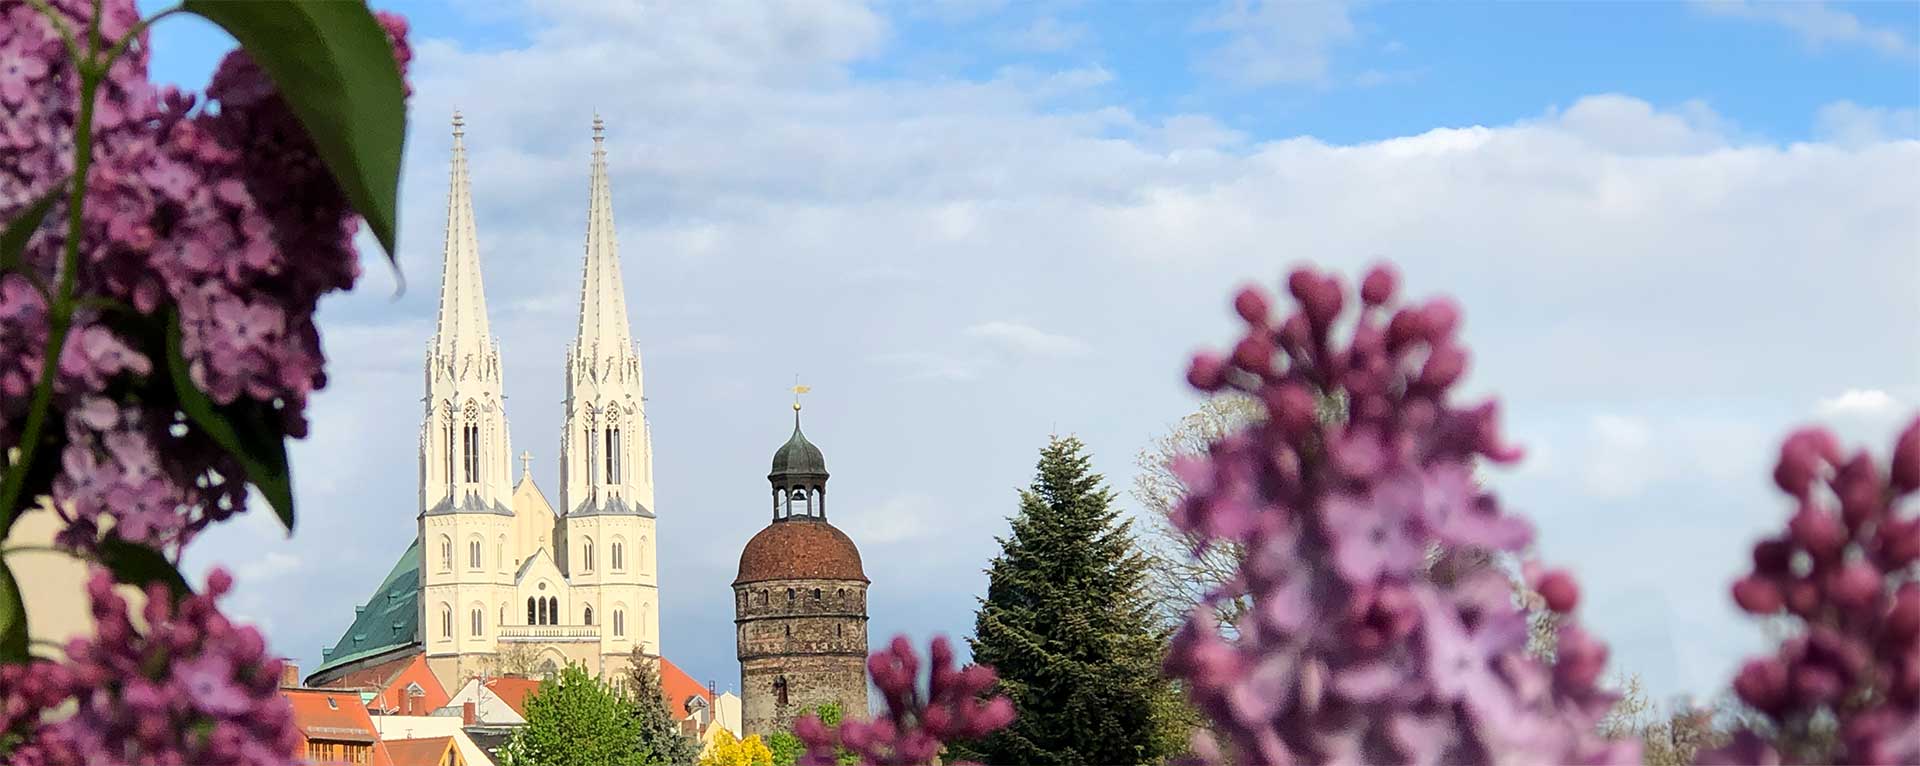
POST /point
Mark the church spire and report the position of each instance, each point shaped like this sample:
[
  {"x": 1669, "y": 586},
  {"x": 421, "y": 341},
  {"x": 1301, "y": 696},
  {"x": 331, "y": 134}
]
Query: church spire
[
  {"x": 603, "y": 301},
  {"x": 462, "y": 332}
]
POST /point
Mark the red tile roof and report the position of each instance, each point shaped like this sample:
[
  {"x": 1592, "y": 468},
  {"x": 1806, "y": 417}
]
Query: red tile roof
[
  {"x": 418, "y": 752},
  {"x": 333, "y": 716},
  {"x": 513, "y": 691},
  {"x": 393, "y": 690},
  {"x": 679, "y": 688}
]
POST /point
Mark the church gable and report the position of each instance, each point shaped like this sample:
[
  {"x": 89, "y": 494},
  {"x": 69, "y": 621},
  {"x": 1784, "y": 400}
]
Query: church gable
[{"x": 533, "y": 521}]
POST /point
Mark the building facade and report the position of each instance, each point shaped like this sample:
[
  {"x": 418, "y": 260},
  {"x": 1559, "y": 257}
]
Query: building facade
[
  {"x": 494, "y": 563},
  {"x": 800, "y": 602}
]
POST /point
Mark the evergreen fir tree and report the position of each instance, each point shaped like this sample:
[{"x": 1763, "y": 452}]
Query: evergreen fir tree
[
  {"x": 657, "y": 730},
  {"x": 1068, "y": 625}
]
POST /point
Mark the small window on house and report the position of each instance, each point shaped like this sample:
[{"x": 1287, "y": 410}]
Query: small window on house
[{"x": 331, "y": 705}]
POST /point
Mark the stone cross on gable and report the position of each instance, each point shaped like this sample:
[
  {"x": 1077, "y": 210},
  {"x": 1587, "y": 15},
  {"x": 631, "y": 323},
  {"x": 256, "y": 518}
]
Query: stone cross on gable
[{"x": 526, "y": 462}]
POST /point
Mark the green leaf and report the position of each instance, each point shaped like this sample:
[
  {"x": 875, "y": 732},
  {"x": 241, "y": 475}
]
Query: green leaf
[
  {"x": 14, "y": 239},
  {"x": 13, "y": 618},
  {"x": 334, "y": 65},
  {"x": 247, "y": 429},
  {"x": 138, "y": 565}
]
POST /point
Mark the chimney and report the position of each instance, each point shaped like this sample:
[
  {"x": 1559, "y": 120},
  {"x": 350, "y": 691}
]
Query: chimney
[
  {"x": 466, "y": 714},
  {"x": 289, "y": 674}
]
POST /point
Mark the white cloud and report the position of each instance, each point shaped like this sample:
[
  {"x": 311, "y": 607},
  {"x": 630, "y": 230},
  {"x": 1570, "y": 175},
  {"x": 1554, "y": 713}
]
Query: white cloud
[
  {"x": 1818, "y": 23},
  {"x": 1046, "y": 34},
  {"x": 1850, "y": 124},
  {"x": 274, "y": 564},
  {"x": 898, "y": 519},
  {"x": 1277, "y": 42},
  {"x": 931, "y": 365},
  {"x": 1027, "y": 340},
  {"x": 1858, "y": 402}
]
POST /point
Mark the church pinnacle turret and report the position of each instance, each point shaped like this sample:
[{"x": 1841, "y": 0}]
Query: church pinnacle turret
[
  {"x": 603, "y": 300},
  {"x": 464, "y": 464},
  {"x": 606, "y": 453},
  {"x": 462, "y": 333}
]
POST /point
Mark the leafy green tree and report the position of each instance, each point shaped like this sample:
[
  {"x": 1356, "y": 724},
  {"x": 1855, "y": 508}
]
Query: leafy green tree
[
  {"x": 658, "y": 732},
  {"x": 576, "y": 720},
  {"x": 1069, "y": 625},
  {"x": 788, "y": 748}
]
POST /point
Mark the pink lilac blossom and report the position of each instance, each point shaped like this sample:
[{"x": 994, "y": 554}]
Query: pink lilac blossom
[
  {"x": 225, "y": 215},
  {"x": 185, "y": 686},
  {"x": 1352, "y": 652},
  {"x": 1843, "y": 570},
  {"x": 914, "y": 728}
]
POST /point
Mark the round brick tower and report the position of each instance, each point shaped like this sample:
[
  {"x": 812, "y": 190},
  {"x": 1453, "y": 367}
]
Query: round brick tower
[{"x": 800, "y": 602}]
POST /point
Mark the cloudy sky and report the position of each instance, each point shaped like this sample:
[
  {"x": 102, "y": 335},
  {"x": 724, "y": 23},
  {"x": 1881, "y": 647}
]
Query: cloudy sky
[{"x": 1678, "y": 231}]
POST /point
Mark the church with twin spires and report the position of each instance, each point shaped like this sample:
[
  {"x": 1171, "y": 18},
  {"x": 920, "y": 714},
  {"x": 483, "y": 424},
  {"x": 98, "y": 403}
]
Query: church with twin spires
[{"x": 495, "y": 564}]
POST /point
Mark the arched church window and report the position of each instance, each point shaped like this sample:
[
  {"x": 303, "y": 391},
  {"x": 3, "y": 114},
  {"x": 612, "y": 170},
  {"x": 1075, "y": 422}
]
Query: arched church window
[
  {"x": 446, "y": 621},
  {"x": 473, "y": 554},
  {"x": 446, "y": 553},
  {"x": 619, "y": 562},
  {"x": 446, "y": 439},
  {"x": 533, "y": 612},
  {"x": 470, "y": 445},
  {"x": 619, "y": 623},
  {"x": 500, "y": 552},
  {"x": 593, "y": 451},
  {"x": 780, "y": 690},
  {"x": 503, "y": 614},
  {"x": 587, "y": 616},
  {"x": 553, "y": 610},
  {"x": 613, "y": 446},
  {"x": 586, "y": 555},
  {"x": 475, "y": 619}
]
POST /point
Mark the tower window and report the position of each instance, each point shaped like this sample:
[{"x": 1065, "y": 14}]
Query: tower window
[
  {"x": 471, "y": 444},
  {"x": 593, "y": 452},
  {"x": 446, "y": 622},
  {"x": 613, "y": 448},
  {"x": 780, "y": 690},
  {"x": 587, "y": 616},
  {"x": 473, "y": 555},
  {"x": 476, "y": 626},
  {"x": 586, "y": 555},
  {"x": 446, "y": 553},
  {"x": 790, "y": 597},
  {"x": 619, "y": 562},
  {"x": 533, "y": 612},
  {"x": 446, "y": 440},
  {"x": 619, "y": 623}
]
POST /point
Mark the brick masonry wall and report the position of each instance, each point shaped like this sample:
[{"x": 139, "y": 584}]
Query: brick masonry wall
[{"x": 818, "y": 644}]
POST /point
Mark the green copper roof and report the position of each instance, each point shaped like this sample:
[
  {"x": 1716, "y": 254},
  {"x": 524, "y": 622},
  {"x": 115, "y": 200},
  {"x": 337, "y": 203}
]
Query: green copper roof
[
  {"x": 390, "y": 620},
  {"x": 798, "y": 457}
]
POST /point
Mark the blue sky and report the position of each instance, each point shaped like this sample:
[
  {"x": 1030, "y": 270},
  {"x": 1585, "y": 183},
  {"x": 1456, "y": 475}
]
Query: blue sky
[{"x": 1678, "y": 230}]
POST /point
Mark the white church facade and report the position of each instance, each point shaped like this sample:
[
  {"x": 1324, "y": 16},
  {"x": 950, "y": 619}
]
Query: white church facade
[{"x": 496, "y": 566}]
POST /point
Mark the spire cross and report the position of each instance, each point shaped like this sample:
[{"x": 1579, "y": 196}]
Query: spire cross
[
  {"x": 526, "y": 462},
  {"x": 797, "y": 391}
]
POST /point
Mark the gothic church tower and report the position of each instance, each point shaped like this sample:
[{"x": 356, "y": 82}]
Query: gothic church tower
[
  {"x": 465, "y": 480},
  {"x": 606, "y": 449}
]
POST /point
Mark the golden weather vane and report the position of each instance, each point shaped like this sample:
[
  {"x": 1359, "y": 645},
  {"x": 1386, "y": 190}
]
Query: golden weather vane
[{"x": 798, "y": 390}]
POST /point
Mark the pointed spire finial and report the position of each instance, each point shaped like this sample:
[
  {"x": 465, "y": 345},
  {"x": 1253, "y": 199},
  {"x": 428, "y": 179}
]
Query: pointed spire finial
[
  {"x": 797, "y": 391},
  {"x": 599, "y": 129},
  {"x": 459, "y": 124}
]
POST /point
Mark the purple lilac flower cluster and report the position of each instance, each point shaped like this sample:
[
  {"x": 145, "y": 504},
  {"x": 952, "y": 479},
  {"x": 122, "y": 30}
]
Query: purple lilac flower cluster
[
  {"x": 914, "y": 728},
  {"x": 226, "y": 215},
  {"x": 1843, "y": 571},
  {"x": 185, "y": 686},
  {"x": 1351, "y": 652}
]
